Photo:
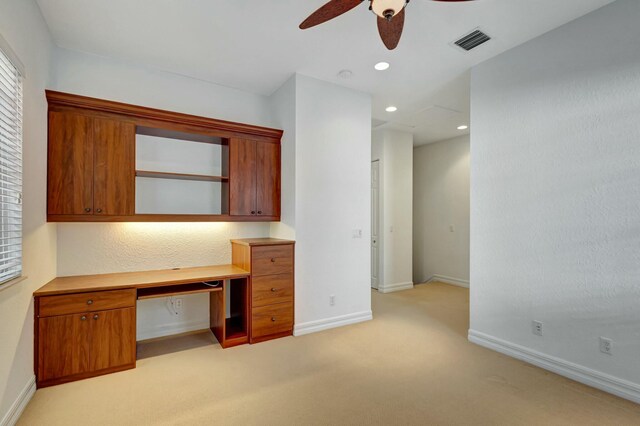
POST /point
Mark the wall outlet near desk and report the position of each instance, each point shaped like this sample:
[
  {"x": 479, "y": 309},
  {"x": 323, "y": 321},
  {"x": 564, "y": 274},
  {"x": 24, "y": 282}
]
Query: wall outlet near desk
[
  {"x": 536, "y": 328},
  {"x": 606, "y": 346},
  {"x": 175, "y": 305}
]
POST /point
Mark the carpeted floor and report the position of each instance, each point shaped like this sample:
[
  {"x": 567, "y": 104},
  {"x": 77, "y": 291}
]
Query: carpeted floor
[{"x": 411, "y": 365}]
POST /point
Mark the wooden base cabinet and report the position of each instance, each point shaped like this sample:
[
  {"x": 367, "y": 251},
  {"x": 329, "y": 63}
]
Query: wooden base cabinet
[
  {"x": 271, "y": 263},
  {"x": 75, "y": 341}
]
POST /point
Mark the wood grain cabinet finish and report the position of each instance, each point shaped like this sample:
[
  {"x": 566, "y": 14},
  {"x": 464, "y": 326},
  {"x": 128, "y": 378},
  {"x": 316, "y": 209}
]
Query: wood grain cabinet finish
[
  {"x": 91, "y": 162},
  {"x": 254, "y": 178},
  {"x": 84, "y": 344},
  {"x": 91, "y": 165},
  {"x": 271, "y": 263}
]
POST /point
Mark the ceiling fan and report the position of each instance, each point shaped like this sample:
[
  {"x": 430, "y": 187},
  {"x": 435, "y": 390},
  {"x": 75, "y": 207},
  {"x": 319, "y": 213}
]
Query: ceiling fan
[{"x": 390, "y": 16}]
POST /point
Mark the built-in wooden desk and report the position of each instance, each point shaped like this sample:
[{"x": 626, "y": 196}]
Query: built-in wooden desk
[{"x": 85, "y": 326}]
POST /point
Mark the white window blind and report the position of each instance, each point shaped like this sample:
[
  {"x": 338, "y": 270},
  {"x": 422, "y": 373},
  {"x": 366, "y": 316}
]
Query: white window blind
[{"x": 10, "y": 170}]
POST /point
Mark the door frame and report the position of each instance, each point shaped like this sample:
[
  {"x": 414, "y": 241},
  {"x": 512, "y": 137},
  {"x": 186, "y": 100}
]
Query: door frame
[{"x": 380, "y": 241}]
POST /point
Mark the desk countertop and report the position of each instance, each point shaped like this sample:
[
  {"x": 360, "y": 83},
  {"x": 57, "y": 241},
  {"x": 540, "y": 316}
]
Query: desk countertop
[{"x": 142, "y": 279}]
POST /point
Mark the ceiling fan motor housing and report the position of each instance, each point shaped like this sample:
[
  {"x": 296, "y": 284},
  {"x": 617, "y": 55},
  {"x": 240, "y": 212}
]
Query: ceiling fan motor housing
[{"x": 387, "y": 8}]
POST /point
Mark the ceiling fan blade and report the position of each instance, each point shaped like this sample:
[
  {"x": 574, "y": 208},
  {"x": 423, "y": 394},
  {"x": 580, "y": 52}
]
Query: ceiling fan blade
[
  {"x": 329, "y": 11},
  {"x": 391, "y": 30}
]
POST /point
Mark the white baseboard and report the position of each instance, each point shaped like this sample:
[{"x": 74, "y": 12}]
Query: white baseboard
[
  {"x": 587, "y": 376},
  {"x": 326, "y": 324},
  {"x": 449, "y": 280},
  {"x": 390, "y": 288},
  {"x": 145, "y": 333},
  {"x": 18, "y": 406}
]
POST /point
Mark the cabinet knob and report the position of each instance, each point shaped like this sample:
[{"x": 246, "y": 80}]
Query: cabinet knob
[
  {"x": 87, "y": 210},
  {"x": 99, "y": 210},
  {"x": 273, "y": 319},
  {"x": 83, "y": 318},
  {"x": 273, "y": 260},
  {"x": 95, "y": 317},
  {"x": 274, "y": 290},
  {"x": 259, "y": 211},
  {"x": 253, "y": 212},
  {"x": 89, "y": 302}
]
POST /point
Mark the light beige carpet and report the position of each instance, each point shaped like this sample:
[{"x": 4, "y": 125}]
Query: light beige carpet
[{"x": 411, "y": 365}]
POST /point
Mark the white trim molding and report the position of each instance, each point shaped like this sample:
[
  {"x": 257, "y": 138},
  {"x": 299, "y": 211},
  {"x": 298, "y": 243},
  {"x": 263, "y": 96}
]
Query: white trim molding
[
  {"x": 18, "y": 406},
  {"x": 579, "y": 373},
  {"x": 326, "y": 324},
  {"x": 448, "y": 280},
  {"x": 163, "y": 330},
  {"x": 390, "y": 288}
]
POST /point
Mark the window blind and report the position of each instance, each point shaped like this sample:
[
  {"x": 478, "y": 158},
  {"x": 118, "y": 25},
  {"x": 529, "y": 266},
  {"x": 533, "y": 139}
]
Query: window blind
[{"x": 10, "y": 170}]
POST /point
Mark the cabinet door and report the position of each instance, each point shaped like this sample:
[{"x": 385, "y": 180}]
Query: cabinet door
[
  {"x": 242, "y": 177},
  {"x": 70, "y": 168},
  {"x": 268, "y": 179},
  {"x": 63, "y": 346},
  {"x": 114, "y": 168},
  {"x": 113, "y": 338}
]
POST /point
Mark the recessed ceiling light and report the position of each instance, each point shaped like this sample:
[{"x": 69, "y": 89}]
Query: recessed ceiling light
[
  {"x": 381, "y": 66},
  {"x": 391, "y": 109},
  {"x": 346, "y": 74},
  {"x": 463, "y": 127}
]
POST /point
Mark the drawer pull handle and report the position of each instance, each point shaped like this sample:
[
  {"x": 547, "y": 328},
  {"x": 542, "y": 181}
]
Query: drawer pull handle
[
  {"x": 99, "y": 210},
  {"x": 259, "y": 211},
  {"x": 274, "y": 289},
  {"x": 83, "y": 318},
  {"x": 95, "y": 317},
  {"x": 253, "y": 212},
  {"x": 273, "y": 319},
  {"x": 87, "y": 210},
  {"x": 89, "y": 302},
  {"x": 273, "y": 260}
]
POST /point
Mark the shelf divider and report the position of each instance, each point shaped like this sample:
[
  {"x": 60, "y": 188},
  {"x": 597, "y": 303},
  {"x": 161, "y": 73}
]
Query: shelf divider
[{"x": 180, "y": 176}]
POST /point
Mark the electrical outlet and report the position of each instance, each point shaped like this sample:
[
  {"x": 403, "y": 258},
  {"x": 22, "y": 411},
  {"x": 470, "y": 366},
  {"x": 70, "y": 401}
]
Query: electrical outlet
[
  {"x": 452, "y": 228},
  {"x": 332, "y": 300},
  {"x": 606, "y": 346},
  {"x": 357, "y": 233},
  {"x": 536, "y": 328}
]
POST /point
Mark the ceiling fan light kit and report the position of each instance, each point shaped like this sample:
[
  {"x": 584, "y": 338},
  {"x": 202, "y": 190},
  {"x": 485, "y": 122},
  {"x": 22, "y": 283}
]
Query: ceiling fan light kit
[
  {"x": 387, "y": 9},
  {"x": 390, "y": 16}
]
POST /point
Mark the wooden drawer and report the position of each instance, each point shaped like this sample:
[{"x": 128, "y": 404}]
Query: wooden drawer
[
  {"x": 270, "y": 289},
  {"x": 272, "y": 260},
  {"x": 272, "y": 319},
  {"x": 86, "y": 302}
]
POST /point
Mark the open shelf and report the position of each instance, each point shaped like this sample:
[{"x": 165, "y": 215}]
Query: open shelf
[
  {"x": 174, "y": 290},
  {"x": 180, "y": 176},
  {"x": 234, "y": 328}
]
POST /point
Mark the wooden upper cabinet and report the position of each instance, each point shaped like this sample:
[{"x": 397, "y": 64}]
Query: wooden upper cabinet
[
  {"x": 114, "y": 167},
  {"x": 70, "y": 170},
  {"x": 91, "y": 165},
  {"x": 268, "y": 179},
  {"x": 242, "y": 177},
  {"x": 254, "y": 178},
  {"x": 92, "y": 172}
]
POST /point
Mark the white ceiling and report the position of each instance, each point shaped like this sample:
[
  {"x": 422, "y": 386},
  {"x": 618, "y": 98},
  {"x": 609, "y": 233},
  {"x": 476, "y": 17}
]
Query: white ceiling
[{"x": 255, "y": 45}]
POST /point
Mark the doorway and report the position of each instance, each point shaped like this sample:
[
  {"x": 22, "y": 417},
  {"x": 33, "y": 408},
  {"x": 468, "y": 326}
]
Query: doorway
[{"x": 375, "y": 223}]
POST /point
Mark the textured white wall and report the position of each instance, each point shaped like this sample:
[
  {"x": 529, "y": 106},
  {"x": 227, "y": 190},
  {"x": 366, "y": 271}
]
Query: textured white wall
[
  {"x": 104, "y": 248},
  {"x": 333, "y": 196},
  {"x": 283, "y": 108},
  {"x": 440, "y": 200},
  {"x": 555, "y": 194},
  {"x": 394, "y": 149},
  {"x": 22, "y": 26}
]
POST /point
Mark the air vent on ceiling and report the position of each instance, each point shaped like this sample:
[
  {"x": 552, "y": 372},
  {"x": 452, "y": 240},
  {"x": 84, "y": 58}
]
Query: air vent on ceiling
[{"x": 472, "y": 40}]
